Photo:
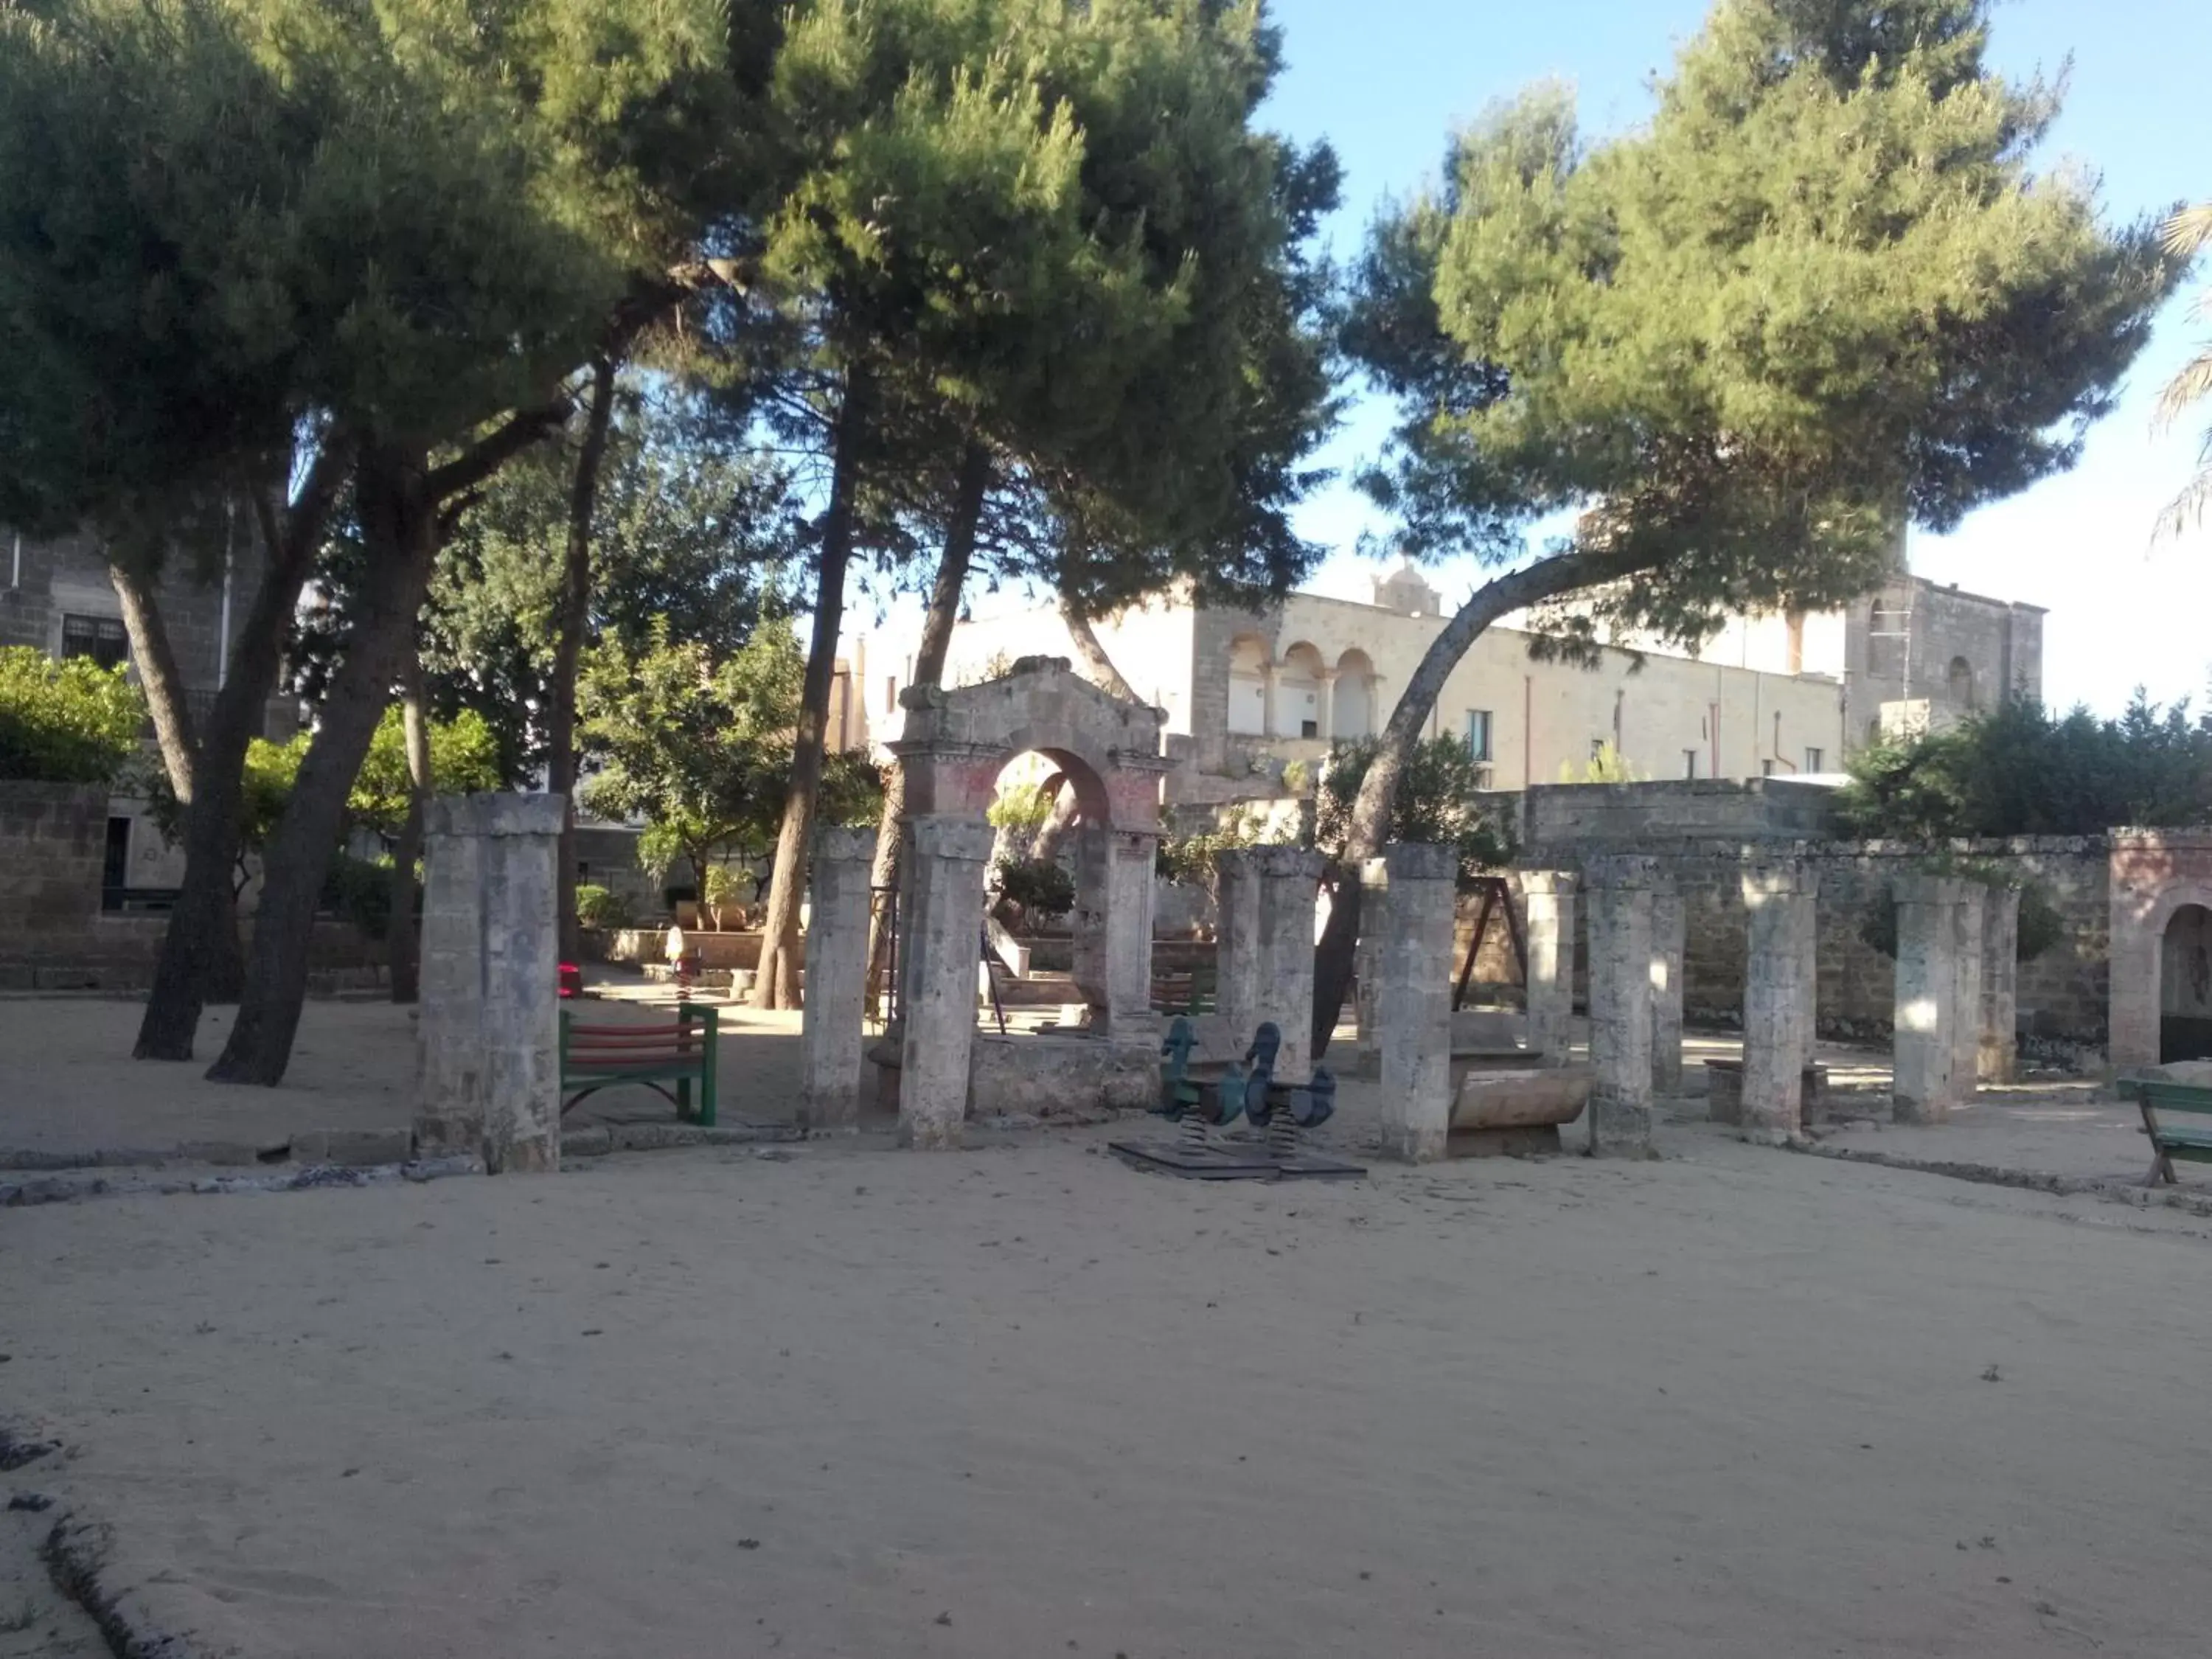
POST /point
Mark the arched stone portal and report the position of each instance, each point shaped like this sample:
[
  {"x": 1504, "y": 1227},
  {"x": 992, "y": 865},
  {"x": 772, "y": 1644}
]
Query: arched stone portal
[
  {"x": 955, "y": 745},
  {"x": 2161, "y": 920}
]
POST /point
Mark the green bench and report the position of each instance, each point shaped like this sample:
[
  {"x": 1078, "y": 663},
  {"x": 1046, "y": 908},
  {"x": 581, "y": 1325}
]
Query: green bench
[
  {"x": 671, "y": 1060},
  {"x": 2177, "y": 1118},
  {"x": 1184, "y": 991}
]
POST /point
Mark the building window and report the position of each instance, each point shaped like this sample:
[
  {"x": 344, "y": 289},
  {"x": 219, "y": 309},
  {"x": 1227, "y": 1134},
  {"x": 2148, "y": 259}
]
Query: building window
[
  {"x": 1689, "y": 763},
  {"x": 1309, "y": 728},
  {"x": 1597, "y": 748},
  {"x": 101, "y": 638},
  {"x": 890, "y": 694},
  {"x": 1478, "y": 734},
  {"x": 1960, "y": 681},
  {"x": 1815, "y": 760},
  {"x": 1767, "y": 769}
]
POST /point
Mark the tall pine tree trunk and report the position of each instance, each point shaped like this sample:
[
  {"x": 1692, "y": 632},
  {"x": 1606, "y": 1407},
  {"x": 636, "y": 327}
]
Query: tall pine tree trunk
[
  {"x": 1372, "y": 810},
  {"x": 404, "y": 939},
  {"x": 568, "y": 646},
  {"x": 970, "y": 490},
  {"x": 777, "y": 985},
  {"x": 398, "y": 511},
  {"x": 201, "y": 960}
]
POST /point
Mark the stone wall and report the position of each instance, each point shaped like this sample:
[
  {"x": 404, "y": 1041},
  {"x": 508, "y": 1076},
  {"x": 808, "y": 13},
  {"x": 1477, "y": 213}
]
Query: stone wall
[
  {"x": 52, "y": 934},
  {"x": 1635, "y": 816},
  {"x": 52, "y": 836}
]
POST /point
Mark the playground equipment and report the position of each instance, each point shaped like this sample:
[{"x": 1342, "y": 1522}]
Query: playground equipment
[{"x": 1246, "y": 1089}]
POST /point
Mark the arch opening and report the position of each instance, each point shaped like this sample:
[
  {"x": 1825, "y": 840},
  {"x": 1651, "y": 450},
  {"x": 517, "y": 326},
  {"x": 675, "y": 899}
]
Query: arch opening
[
  {"x": 1248, "y": 663},
  {"x": 1352, "y": 713},
  {"x": 1959, "y": 681},
  {"x": 2185, "y": 985},
  {"x": 1300, "y": 686}
]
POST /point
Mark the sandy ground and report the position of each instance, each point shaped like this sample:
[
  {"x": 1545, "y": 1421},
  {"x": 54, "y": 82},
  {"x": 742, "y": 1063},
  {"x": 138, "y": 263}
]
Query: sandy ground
[
  {"x": 1025, "y": 1402},
  {"x": 69, "y": 1086},
  {"x": 67, "y": 1083}
]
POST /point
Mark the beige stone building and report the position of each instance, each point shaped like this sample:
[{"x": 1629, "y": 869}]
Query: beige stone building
[{"x": 1248, "y": 692}]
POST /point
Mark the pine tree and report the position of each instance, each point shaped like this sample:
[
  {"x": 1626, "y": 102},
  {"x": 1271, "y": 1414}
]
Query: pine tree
[{"x": 1822, "y": 291}]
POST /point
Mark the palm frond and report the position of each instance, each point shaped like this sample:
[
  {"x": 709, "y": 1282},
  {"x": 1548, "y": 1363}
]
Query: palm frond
[
  {"x": 2191, "y": 384},
  {"x": 2190, "y": 508},
  {"x": 2187, "y": 231}
]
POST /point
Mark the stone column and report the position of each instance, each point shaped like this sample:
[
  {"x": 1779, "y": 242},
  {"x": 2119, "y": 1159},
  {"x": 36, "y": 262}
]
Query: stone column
[
  {"x": 1966, "y": 999},
  {"x": 1668, "y": 941},
  {"x": 830, "y": 1039},
  {"x": 1113, "y": 929},
  {"x": 1411, "y": 898},
  {"x": 1928, "y": 928},
  {"x": 1236, "y": 945},
  {"x": 1999, "y": 1060},
  {"x": 1549, "y": 897},
  {"x": 1621, "y": 890},
  {"x": 1274, "y": 969},
  {"x": 488, "y": 1034},
  {"x": 1779, "y": 998},
  {"x": 944, "y": 858}
]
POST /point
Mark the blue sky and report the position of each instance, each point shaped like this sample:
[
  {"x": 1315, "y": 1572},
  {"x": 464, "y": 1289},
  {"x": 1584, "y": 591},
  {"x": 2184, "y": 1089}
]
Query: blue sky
[{"x": 1386, "y": 80}]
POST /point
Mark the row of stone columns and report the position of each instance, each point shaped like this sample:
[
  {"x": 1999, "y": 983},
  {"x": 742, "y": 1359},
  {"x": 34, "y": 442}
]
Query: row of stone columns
[{"x": 1956, "y": 969}]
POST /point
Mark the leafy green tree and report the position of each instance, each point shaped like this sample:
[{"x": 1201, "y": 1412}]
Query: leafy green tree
[
  {"x": 465, "y": 760},
  {"x": 385, "y": 234},
  {"x": 66, "y": 722},
  {"x": 685, "y": 532},
  {"x": 2021, "y": 770},
  {"x": 1822, "y": 291},
  {"x": 699, "y": 747},
  {"x": 1439, "y": 801}
]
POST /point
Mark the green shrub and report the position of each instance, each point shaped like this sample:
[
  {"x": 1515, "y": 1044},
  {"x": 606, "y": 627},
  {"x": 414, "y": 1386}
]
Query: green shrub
[
  {"x": 66, "y": 722},
  {"x": 359, "y": 890},
  {"x": 600, "y": 908},
  {"x": 1040, "y": 886},
  {"x": 2042, "y": 925}
]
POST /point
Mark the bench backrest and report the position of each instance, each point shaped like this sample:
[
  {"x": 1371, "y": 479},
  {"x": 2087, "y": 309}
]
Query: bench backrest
[{"x": 690, "y": 1039}]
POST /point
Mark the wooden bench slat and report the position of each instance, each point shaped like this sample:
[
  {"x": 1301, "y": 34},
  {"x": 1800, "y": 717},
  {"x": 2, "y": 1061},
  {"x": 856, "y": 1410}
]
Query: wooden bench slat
[{"x": 595, "y": 1057}]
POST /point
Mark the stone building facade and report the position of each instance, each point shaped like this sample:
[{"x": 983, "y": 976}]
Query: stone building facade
[
  {"x": 1247, "y": 692},
  {"x": 1921, "y": 657}
]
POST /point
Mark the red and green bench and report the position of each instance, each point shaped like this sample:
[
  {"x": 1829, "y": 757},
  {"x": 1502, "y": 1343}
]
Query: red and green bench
[
  {"x": 671, "y": 1060},
  {"x": 2177, "y": 1118}
]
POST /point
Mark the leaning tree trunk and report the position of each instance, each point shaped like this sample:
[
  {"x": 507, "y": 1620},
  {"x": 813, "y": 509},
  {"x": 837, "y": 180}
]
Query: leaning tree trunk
[
  {"x": 1097, "y": 666},
  {"x": 399, "y": 528},
  {"x": 404, "y": 937},
  {"x": 568, "y": 647},
  {"x": 777, "y": 985},
  {"x": 158, "y": 678},
  {"x": 968, "y": 492},
  {"x": 1371, "y": 811},
  {"x": 201, "y": 961}
]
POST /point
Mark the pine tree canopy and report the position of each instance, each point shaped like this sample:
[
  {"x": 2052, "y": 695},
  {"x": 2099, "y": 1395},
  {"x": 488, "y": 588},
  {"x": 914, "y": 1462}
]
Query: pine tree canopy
[{"x": 1824, "y": 289}]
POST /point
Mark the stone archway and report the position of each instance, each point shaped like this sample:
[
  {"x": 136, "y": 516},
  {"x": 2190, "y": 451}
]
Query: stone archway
[
  {"x": 955, "y": 743},
  {"x": 2157, "y": 876}
]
